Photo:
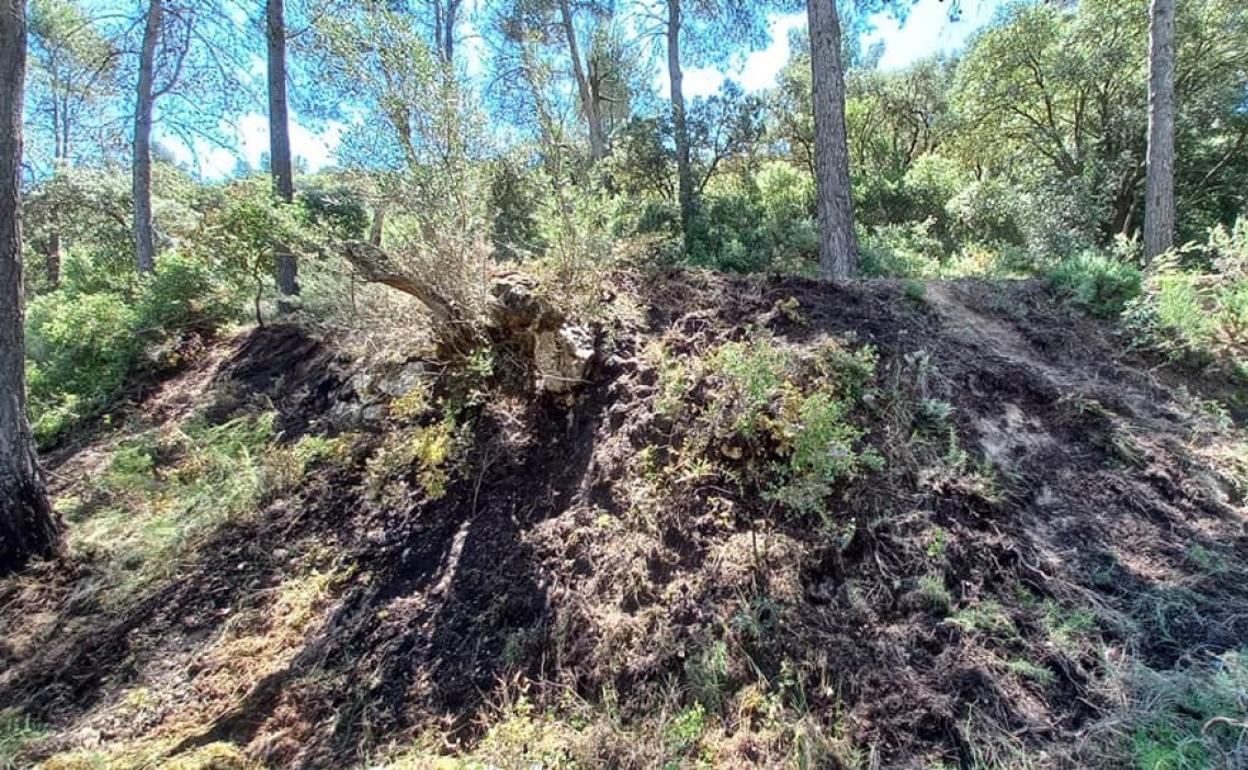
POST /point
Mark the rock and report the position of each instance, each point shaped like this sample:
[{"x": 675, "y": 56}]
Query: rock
[
  {"x": 519, "y": 306},
  {"x": 344, "y": 415},
  {"x": 403, "y": 381},
  {"x": 363, "y": 383},
  {"x": 374, "y": 413},
  {"x": 561, "y": 358}
]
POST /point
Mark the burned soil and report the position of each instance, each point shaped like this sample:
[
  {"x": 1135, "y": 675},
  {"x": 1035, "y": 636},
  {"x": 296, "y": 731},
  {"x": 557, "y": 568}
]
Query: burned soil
[{"x": 1026, "y": 515}]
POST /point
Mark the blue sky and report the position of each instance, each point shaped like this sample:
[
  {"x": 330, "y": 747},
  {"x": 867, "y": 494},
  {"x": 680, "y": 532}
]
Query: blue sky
[{"x": 927, "y": 30}]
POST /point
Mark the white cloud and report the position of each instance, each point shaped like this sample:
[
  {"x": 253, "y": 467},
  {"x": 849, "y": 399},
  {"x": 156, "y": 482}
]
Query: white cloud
[
  {"x": 757, "y": 71},
  {"x": 928, "y": 30},
  {"x": 763, "y": 67},
  {"x": 313, "y": 150}
]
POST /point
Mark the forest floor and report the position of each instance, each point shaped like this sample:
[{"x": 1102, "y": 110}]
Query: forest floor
[{"x": 284, "y": 556}]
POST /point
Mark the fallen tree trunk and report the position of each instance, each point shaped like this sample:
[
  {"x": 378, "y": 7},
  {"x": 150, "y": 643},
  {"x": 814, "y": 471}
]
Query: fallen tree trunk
[{"x": 517, "y": 317}]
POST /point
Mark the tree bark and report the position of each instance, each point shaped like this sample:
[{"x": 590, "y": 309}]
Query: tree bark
[
  {"x": 838, "y": 244},
  {"x": 28, "y": 528},
  {"x": 684, "y": 168},
  {"x": 375, "y": 266},
  {"x": 279, "y": 149},
  {"x": 448, "y": 32},
  {"x": 378, "y": 226},
  {"x": 1159, "y": 213},
  {"x": 445, "y": 16},
  {"x": 589, "y": 104},
  {"x": 53, "y": 259},
  {"x": 144, "y": 239}
]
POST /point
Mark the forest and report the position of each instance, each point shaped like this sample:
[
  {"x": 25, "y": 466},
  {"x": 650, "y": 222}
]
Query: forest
[{"x": 407, "y": 384}]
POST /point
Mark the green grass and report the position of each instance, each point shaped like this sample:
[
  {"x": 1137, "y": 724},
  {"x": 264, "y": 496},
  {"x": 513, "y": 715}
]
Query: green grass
[
  {"x": 987, "y": 617},
  {"x": 1064, "y": 627},
  {"x": 162, "y": 495},
  {"x": 17, "y": 733},
  {"x": 1195, "y": 717},
  {"x": 934, "y": 595},
  {"x": 1028, "y": 670}
]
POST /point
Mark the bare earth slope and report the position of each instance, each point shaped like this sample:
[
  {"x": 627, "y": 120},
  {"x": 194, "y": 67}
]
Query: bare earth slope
[{"x": 1050, "y": 523}]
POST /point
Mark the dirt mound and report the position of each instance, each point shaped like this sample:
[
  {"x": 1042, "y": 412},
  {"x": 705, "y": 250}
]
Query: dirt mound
[{"x": 1019, "y": 511}]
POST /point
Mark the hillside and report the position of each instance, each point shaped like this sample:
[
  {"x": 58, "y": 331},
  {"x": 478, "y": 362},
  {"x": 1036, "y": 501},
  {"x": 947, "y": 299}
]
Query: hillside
[{"x": 781, "y": 523}]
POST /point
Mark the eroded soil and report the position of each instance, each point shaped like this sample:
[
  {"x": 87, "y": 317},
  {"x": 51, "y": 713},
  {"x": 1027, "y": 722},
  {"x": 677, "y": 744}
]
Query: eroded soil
[{"x": 1078, "y": 522}]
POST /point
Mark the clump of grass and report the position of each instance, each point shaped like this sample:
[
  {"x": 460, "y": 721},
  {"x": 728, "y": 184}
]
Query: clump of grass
[
  {"x": 1064, "y": 627},
  {"x": 255, "y": 643},
  {"x": 707, "y": 673},
  {"x": 933, "y": 594},
  {"x": 987, "y": 617},
  {"x": 164, "y": 494},
  {"x": 17, "y": 733},
  {"x": 214, "y": 756},
  {"x": 1099, "y": 283},
  {"x": 1028, "y": 670},
  {"x": 1195, "y": 716},
  {"x": 786, "y": 416}
]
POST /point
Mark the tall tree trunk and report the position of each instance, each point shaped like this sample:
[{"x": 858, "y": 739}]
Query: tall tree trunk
[
  {"x": 60, "y": 159},
  {"x": 589, "y": 104},
  {"x": 684, "y": 169},
  {"x": 378, "y": 227},
  {"x": 1159, "y": 184},
  {"x": 279, "y": 149},
  {"x": 28, "y": 527},
  {"x": 144, "y": 239},
  {"x": 53, "y": 259},
  {"x": 445, "y": 14},
  {"x": 448, "y": 33},
  {"x": 838, "y": 244}
]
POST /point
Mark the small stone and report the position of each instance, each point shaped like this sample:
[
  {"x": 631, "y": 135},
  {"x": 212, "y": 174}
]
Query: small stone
[{"x": 374, "y": 413}]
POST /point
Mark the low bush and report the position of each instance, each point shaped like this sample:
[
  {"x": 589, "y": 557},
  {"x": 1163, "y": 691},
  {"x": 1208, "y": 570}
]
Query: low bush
[
  {"x": 1097, "y": 282},
  {"x": 781, "y": 422},
  {"x": 1194, "y": 305},
  {"x": 986, "y": 211},
  {"x": 83, "y": 346},
  {"x": 902, "y": 251},
  {"x": 762, "y": 224}
]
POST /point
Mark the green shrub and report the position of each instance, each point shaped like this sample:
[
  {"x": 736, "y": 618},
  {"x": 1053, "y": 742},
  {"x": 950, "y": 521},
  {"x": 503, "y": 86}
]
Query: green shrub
[
  {"x": 789, "y": 417},
  {"x": 902, "y": 251},
  {"x": 1199, "y": 312},
  {"x": 1096, "y": 282},
  {"x": 929, "y": 185},
  {"x": 186, "y": 293},
  {"x": 83, "y": 346},
  {"x": 987, "y": 212},
  {"x": 765, "y": 223},
  {"x": 985, "y": 260}
]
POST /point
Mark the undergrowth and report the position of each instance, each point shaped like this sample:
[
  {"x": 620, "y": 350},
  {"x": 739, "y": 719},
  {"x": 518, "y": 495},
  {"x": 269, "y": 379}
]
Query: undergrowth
[
  {"x": 1194, "y": 307},
  {"x": 164, "y": 492},
  {"x": 775, "y": 419},
  {"x": 1193, "y": 716},
  {"x": 87, "y": 339}
]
